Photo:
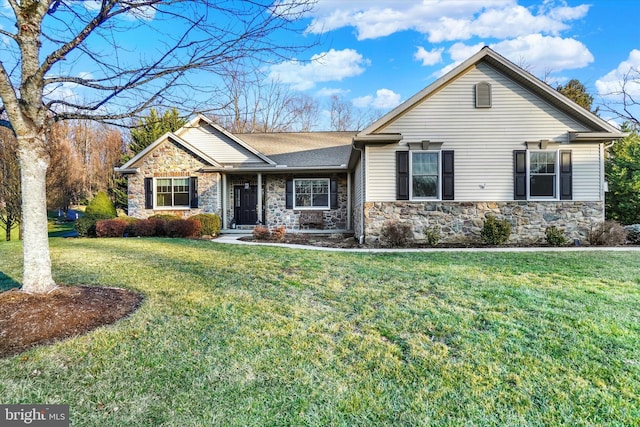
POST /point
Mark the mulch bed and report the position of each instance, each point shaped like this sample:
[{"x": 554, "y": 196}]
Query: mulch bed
[{"x": 28, "y": 320}]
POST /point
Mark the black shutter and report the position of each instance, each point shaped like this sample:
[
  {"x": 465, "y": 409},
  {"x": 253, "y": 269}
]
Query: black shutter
[
  {"x": 194, "y": 192},
  {"x": 148, "y": 193},
  {"x": 447, "y": 175},
  {"x": 402, "y": 175},
  {"x": 566, "y": 185},
  {"x": 333, "y": 190},
  {"x": 289, "y": 196},
  {"x": 520, "y": 175}
]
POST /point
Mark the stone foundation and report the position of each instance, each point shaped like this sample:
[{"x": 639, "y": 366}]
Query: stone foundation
[{"x": 461, "y": 222}]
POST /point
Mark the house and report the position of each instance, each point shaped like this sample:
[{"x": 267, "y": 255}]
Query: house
[{"x": 487, "y": 138}]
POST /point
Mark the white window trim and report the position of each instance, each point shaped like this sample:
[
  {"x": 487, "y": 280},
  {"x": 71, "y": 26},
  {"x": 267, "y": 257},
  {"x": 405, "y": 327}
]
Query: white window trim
[
  {"x": 170, "y": 208},
  {"x": 439, "y": 185},
  {"x": 557, "y": 175},
  {"x": 312, "y": 208}
]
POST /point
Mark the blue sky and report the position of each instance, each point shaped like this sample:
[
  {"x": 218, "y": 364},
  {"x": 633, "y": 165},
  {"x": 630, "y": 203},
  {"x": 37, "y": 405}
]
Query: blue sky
[{"x": 377, "y": 53}]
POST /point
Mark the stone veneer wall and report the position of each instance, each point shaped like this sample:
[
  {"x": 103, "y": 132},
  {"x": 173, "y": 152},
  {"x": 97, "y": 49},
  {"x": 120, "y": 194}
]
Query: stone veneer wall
[
  {"x": 461, "y": 222},
  {"x": 171, "y": 160},
  {"x": 277, "y": 213}
]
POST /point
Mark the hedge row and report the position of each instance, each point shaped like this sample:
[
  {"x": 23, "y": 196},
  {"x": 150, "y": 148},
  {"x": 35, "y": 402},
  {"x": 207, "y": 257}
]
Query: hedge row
[{"x": 155, "y": 226}]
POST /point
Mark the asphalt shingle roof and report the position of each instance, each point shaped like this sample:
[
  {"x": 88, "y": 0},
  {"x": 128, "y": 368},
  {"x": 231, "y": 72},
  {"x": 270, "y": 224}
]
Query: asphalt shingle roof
[{"x": 302, "y": 149}]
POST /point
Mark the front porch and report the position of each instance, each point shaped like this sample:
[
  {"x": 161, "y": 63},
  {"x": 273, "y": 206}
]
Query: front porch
[{"x": 271, "y": 200}]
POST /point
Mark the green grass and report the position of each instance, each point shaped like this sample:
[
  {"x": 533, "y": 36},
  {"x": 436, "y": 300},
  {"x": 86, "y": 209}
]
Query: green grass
[
  {"x": 56, "y": 229},
  {"x": 255, "y": 336}
]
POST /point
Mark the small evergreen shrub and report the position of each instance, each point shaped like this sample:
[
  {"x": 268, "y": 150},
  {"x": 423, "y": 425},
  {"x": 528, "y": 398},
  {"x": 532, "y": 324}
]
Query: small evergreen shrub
[
  {"x": 85, "y": 226},
  {"x": 633, "y": 234},
  {"x": 608, "y": 233},
  {"x": 210, "y": 223},
  {"x": 395, "y": 233},
  {"x": 278, "y": 233},
  {"x": 111, "y": 227},
  {"x": 101, "y": 205},
  {"x": 432, "y": 235},
  {"x": 495, "y": 232},
  {"x": 555, "y": 236},
  {"x": 183, "y": 228},
  {"x": 261, "y": 233}
]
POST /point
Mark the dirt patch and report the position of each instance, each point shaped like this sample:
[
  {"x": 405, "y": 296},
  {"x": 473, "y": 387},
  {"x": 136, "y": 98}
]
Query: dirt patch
[
  {"x": 29, "y": 320},
  {"x": 337, "y": 240}
]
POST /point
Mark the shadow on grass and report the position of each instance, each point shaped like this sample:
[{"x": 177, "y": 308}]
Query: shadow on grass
[{"x": 7, "y": 282}]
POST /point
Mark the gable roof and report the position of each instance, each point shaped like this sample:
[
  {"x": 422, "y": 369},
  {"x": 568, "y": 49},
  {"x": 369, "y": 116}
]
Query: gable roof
[
  {"x": 375, "y": 131},
  {"x": 129, "y": 167}
]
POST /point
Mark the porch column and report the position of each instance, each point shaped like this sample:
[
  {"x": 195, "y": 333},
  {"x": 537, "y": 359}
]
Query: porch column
[
  {"x": 348, "y": 200},
  {"x": 259, "y": 206},
  {"x": 223, "y": 213}
]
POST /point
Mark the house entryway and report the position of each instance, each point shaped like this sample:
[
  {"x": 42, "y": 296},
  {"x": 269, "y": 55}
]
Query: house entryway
[{"x": 245, "y": 204}]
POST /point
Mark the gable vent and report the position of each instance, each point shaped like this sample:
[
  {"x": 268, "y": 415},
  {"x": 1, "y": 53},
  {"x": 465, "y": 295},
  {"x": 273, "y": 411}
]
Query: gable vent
[{"x": 483, "y": 95}]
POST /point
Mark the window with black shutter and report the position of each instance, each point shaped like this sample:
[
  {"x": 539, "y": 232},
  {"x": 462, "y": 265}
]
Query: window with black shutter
[{"x": 520, "y": 175}]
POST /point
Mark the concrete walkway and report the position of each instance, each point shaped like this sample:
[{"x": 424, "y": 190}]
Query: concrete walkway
[{"x": 234, "y": 239}]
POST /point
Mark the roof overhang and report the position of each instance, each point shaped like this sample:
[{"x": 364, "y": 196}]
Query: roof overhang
[
  {"x": 277, "y": 169},
  {"x": 361, "y": 140},
  {"x": 126, "y": 170},
  {"x": 595, "y": 136}
]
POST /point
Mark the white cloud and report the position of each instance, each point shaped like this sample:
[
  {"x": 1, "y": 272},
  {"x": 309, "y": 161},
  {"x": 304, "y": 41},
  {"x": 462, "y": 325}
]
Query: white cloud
[
  {"x": 536, "y": 53},
  {"x": 545, "y": 53},
  {"x": 384, "y": 99},
  {"x": 610, "y": 85},
  {"x": 431, "y": 57},
  {"x": 444, "y": 20},
  {"x": 334, "y": 65}
]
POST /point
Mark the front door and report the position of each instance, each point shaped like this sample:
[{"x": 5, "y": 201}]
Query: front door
[{"x": 245, "y": 204}]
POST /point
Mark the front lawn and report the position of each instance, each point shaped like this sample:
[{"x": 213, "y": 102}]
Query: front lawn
[{"x": 254, "y": 336}]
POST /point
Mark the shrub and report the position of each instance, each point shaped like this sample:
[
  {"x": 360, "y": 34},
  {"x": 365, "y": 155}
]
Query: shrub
[
  {"x": 633, "y": 234},
  {"x": 183, "y": 228},
  {"x": 146, "y": 228},
  {"x": 210, "y": 223},
  {"x": 85, "y": 226},
  {"x": 279, "y": 232},
  {"x": 495, "y": 232},
  {"x": 432, "y": 234},
  {"x": 608, "y": 233},
  {"x": 395, "y": 233},
  {"x": 111, "y": 227},
  {"x": 165, "y": 217},
  {"x": 101, "y": 205},
  {"x": 261, "y": 233},
  {"x": 555, "y": 236}
]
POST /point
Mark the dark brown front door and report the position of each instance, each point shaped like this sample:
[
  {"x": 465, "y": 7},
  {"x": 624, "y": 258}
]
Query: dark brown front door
[{"x": 245, "y": 203}]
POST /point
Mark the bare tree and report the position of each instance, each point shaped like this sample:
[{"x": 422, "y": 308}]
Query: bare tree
[
  {"x": 306, "y": 111},
  {"x": 43, "y": 59},
  {"x": 341, "y": 114},
  {"x": 256, "y": 103},
  {"x": 624, "y": 102}
]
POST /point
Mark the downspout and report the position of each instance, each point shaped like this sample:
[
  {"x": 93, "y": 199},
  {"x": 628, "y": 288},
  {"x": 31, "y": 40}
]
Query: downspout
[
  {"x": 362, "y": 195},
  {"x": 603, "y": 178}
]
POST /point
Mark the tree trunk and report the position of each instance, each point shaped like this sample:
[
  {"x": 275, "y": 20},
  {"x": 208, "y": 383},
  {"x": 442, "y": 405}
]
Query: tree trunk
[
  {"x": 34, "y": 160},
  {"x": 8, "y": 226}
]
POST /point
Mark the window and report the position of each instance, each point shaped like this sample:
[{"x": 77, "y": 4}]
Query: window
[
  {"x": 543, "y": 174},
  {"x": 425, "y": 173},
  {"x": 311, "y": 193},
  {"x": 172, "y": 192}
]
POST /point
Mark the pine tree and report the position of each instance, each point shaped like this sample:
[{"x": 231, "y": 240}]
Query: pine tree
[{"x": 153, "y": 127}]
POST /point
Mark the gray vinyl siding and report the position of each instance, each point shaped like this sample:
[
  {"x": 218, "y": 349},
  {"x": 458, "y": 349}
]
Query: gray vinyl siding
[
  {"x": 483, "y": 139},
  {"x": 219, "y": 147}
]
